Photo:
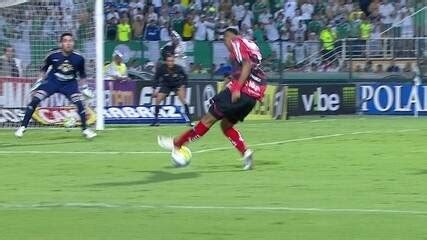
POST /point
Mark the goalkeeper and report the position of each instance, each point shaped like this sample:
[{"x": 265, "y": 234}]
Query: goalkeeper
[
  {"x": 169, "y": 77},
  {"x": 59, "y": 75}
]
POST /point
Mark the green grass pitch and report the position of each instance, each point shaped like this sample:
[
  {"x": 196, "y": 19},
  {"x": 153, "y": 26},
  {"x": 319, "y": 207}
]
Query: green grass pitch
[{"x": 332, "y": 178}]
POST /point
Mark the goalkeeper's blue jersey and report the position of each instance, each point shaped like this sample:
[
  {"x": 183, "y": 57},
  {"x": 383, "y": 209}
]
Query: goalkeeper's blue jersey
[{"x": 64, "y": 67}]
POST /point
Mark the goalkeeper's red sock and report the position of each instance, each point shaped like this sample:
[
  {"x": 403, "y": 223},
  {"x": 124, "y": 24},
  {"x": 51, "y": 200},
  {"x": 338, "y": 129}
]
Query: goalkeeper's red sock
[
  {"x": 236, "y": 139},
  {"x": 191, "y": 135}
]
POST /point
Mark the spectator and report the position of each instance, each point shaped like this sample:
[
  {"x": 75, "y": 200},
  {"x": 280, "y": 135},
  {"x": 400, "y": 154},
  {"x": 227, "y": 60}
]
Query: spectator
[
  {"x": 238, "y": 11},
  {"x": 111, "y": 28},
  {"x": 365, "y": 33},
  {"x": 165, "y": 32},
  {"x": 290, "y": 7},
  {"x": 407, "y": 26},
  {"x": 312, "y": 68},
  {"x": 368, "y": 67},
  {"x": 379, "y": 69},
  {"x": 271, "y": 30},
  {"x": 164, "y": 18},
  {"x": 201, "y": 29},
  {"x": 297, "y": 18},
  {"x": 138, "y": 13},
  {"x": 234, "y": 24},
  {"x": 319, "y": 8},
  {"x": 289, "y": 58},
  {"x": 299, "y": 52},
  {"x": 137, "y": 27},
  {"x": 117, "y": 69},
  {"x": 134, "y": 4},
  {"x": 343, "y": 30},
  {"x": 152, "y": 15},
  {"x": 178, "y": 7},
  {"x": 265, "y": 17},
  {"x": 355, "y": 27},
  {"x": 197, "y": 5},
  {"x": 407, "y": 68},
  {"x": 386, "y": 9},
  {"x": 210, "y": 28},
  {"x": 315, "y": 25},
  {"x": 259, "y": 7},
  {"x": 188, "y": 29},
  {"x": 223, "y": 69},
  {"x": 178, "y": 23},
  {"x": 299, "y": 31},
  {"x": 393, "y": 68},
  {"x": 157, "y": 5},
  {"x": 152, "y": 31},
  {"x": 111, "y": 13},
  {"x": 9, "y": 65},
  {"x": 225, "y": 7},
  {"x": 313, "y": 45},
  {"x": 307, "y": 10},
  {"x": 258, "y": 34},
  {"x": 358, "y": 68},
  {"x": 247, "y": 32},
  {"x": 220, "y": 30},
  {"x": 374, "y": 45},
  {"x": 333, "y": 67},
  {"x": 345, "y": 67},
  {"x": 333, "y": 8},
  {"x": 248, "y": 16},
  {"x": 124, "y": 32},
  {"x": 285, "y": 34},
  {"x": 355, "y": 14},
  {"x": 328, "y": 38},
  {"x": 349, "y": 6}
]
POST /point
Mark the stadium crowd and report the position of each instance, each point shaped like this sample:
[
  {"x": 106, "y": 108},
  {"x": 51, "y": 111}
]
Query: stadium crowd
[
  {"x": 308, "y": 26},
  {"x": 305, "y": 26},
  {"x": 262, "y": 20}
]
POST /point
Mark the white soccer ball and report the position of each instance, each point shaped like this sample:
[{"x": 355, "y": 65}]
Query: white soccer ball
[
  {"x": 69, "y": 122},
  {"x": 181, "y": 157}
]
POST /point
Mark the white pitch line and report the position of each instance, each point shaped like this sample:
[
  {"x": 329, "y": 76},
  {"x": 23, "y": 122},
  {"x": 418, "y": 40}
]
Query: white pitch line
[
  {"x": 70, "y": 152},
  {"x": 211, "y": 149},
  {"x": 275, "y": 143},
  {"x": 190, "y": 207}
]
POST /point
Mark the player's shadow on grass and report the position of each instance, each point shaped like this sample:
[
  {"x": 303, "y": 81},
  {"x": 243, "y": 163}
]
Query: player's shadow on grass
[{"x": 155, "y": 177}]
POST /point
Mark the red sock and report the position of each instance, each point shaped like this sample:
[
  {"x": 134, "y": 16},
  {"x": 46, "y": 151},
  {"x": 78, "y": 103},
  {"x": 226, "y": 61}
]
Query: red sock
[
  {"x": 191, "y": 135},
  {"x": 236, "y": 139}
]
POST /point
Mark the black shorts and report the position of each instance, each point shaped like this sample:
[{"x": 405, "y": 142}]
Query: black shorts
[
  {"x": 222, "y": 107},
  {"x": 166, "y": 89}
]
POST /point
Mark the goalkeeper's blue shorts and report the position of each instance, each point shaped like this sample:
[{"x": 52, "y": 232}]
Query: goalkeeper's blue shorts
[{"x": 51, "y": 86}]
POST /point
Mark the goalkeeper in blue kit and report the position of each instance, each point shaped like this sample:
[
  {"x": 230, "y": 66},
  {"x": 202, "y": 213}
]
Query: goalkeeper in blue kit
[{"x": 59, "y": 75}]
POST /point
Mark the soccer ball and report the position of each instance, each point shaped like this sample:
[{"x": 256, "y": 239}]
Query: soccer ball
[
  {"x": 181, "y": 157},
  {"x": 69, "y": 122}
]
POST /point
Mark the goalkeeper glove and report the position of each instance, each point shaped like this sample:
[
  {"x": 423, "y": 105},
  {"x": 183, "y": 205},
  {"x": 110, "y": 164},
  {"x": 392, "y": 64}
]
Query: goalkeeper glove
[{"x": 87, "y": 92}]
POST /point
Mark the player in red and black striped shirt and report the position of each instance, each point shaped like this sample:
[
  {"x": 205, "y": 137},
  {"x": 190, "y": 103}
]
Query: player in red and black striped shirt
[{"x": 234, "y": 103}]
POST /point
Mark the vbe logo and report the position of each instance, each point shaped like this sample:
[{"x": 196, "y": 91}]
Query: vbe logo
[{"x": 321, "y": 102}]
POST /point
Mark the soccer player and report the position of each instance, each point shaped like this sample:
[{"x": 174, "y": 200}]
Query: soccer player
[
  {"x": 169, "y": 77},
  {"x": 59, "y": 75},
  {"x": 233, "y": 104}
]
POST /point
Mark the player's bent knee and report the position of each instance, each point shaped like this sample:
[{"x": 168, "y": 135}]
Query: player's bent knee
[
  {"x": 208, "y": 120},
  {"x": 226, "y": 124},
  {"x": 40, "y": 95},
  {"x": 34, "y": 102}
]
